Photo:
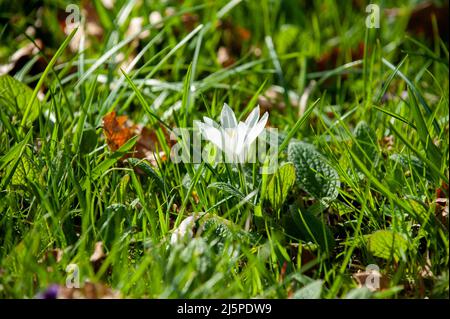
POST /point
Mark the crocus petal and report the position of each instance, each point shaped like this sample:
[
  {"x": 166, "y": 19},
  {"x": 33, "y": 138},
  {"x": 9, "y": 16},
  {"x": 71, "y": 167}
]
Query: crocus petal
[
  {"x": 257, "y": 129},
  {"x": 184, "y": 230},
  {"x": 211, "y": 134},
  {"x": 227, "y": 117},
  {"x": 242, "y": 131},
  {"x": 253, "y": 117},
  {"x": 210, "y": 122}
]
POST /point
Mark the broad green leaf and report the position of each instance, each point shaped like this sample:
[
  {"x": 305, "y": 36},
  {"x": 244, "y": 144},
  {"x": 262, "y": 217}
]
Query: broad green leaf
[
  {"x": 15, "y": 95},
  {"x": 359, "y": 293},
  {"x": 148, "y": 170},
  {"x": 280, "y": 184},
  {"x": 412, "y": 163},
  {"x": 25, "y": 169},
  {"x": 386, "y": 244},
  {"x": 12, "y": 160},
  {"x": 310, "y": 291},
  {"x": 309, "y": 228},
  {"x": 365, "y": 146},
  {"x": 88, "y": 140},
  {"x": 14, "y": 152},
  {"x": 314, "y": 174}
]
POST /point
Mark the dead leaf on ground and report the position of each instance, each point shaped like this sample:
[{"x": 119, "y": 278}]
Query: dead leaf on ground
[
  {"x": 88, "y": 291},
  {"x": 372, "y": 279},
  {"x": 190, "y": 21},
  {"x": 387, "y": 143},
  {"x": 53, "y": 255},
  {"x": 441, "y": 201},
  {"x": 119, "y": 129},
  {"x": 91, "y": 31},
  {"x": 421, "y": 19},
  {"x": 329, "y": 59},
  {"x": 224, "y": 57},
  {"x": 273, "y": 98},
  {"x": 22, "y": 56},
  {"x": 98, "y": 256},
  {"x": 306, "y": 255},
  {"x": 231, "y": 41}
]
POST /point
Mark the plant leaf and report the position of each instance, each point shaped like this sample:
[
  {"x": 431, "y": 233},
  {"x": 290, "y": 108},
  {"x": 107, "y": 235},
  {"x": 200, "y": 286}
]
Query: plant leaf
[
  {"x": 310, "y": 291},
  {"x": 314, "y": 174},
  {"x": 15, "y": 95},
  {"x": 386, "y": 244},
  {"x": 365, "y": 147},
  {"x": 280, "y": 184}
]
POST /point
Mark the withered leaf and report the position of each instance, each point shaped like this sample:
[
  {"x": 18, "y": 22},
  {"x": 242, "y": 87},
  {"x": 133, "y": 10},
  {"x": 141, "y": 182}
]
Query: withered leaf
[
  {"x": 98, "y": 256},
  {"x": 119, "y": 129},
  {"x": 371, "y": 279}
]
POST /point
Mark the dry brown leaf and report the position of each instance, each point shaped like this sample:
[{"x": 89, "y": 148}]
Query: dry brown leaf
[
  {"x": 118, "y": 130},
  {"x": 441, "y": 201},
  {"x": 232, "y": 38},
  {"x": 190, "y": 21},
  {"x": 273, "y": 98},
  {"x": 361, "y": 278},
  {"x": 329, "y": 60},
  {"x": 224, "y": 57},
  {"x": 98, "y": 256},
  {"x": 421, "y": 19},
  {"x": 88, "y": 291},
  {"x": 22, "y": 56},
  {"x": 387, "y": 143},
  {"x": 51, "y": 257}
]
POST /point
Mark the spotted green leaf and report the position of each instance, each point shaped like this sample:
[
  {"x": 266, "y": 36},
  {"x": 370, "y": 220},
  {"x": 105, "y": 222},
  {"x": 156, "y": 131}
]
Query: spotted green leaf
[{"x": 314, "y": 174}]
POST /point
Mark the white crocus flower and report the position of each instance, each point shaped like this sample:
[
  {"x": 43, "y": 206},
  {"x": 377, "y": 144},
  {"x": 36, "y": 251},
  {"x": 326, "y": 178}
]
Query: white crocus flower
[{"x": 232, "y": 137}]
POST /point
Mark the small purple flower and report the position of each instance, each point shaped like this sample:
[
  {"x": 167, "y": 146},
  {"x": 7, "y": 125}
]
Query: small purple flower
[{"x": 50, "y": 293}]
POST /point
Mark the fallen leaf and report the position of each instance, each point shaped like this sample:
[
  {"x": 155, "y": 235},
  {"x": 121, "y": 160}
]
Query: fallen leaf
[
  {"x": 231, "y": 41},
  {"x": 441, "y": 201},
  {"x": 329, "y": 59},
  {"x": 119, "y": 129},
  {"x": 273, "y": 98},
  {"x": 420, "y": 21},
  {"x": 19, "y": 58},
  {"x": 387, "y": 143},
  {"x": 224, "y": 57},
  {"x": 190, "y": 21},
  {"x": 369, "y": 280},
  {"x": 88, "y": 291},
  {"x": 53, "y": 255},
  {"x": 98, "y": 256}
]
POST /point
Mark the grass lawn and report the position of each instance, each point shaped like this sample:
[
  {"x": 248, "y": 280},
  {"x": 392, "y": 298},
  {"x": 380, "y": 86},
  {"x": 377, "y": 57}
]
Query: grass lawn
[{"x": 348, "y": 200}]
